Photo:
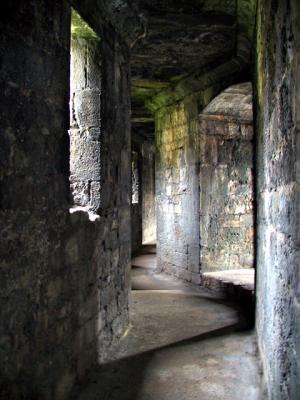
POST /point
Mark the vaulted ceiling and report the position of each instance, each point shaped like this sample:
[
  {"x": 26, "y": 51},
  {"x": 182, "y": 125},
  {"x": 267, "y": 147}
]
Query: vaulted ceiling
[{"x": 179, "y": 37}]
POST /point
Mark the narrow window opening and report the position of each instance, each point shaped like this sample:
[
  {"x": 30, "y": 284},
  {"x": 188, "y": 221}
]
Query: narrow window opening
[
  {"x": 135, "y": 178},
  {"x": 85, "y": 118}
]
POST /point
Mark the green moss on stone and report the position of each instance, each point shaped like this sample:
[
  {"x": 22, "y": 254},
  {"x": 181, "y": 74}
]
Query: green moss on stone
[
  {"x": 80, "y": 29},
  {"x": 146, "y": 89}
]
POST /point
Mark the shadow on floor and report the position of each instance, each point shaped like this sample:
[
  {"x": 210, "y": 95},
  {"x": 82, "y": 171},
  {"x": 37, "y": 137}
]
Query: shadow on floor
[
  {"x": 125, "y": 379},
  {"x": 185, "y": 343}
]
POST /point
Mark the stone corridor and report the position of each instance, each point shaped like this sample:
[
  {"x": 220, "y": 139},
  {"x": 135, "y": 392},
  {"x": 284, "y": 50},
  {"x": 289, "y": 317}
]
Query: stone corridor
[
  {"x": 183, "y": 343},
  {"x": 129, "y": 122}
]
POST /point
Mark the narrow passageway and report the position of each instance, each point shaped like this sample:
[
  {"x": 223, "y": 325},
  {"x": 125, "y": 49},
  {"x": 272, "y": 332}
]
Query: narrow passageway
[
  {"x": 183, "y": 343},
  {"x": 125, "y": 121}
]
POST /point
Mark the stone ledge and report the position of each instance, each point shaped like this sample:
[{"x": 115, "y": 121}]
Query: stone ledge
[{"x": 233, "y": 284}]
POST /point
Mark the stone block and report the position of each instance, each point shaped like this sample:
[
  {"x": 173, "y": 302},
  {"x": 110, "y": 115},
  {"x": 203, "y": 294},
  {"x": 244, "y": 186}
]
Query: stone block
[
  {"x": 221, "y": 128},
  {"x": 93, "y": 64},
  {"x": 84, "y": 160},
  {"x": 208, "y": 149},
  {"x": 95, "y": 195},
  {"x": 94, "y": 134},
  {"x": 81, "y": 192},
  {"x": 208, "y": 127},
  {"x": 78, "y": 64},
  {"x": 225, "y": 148},
  {"x": 247, "y": 132},
  {"x": 87, "y": 108},
  {"x": 234, "y": 130}
]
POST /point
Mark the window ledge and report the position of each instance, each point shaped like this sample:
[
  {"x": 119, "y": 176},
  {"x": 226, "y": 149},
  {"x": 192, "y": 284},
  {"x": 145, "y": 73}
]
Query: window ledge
[{"x": 92, "y": 215}]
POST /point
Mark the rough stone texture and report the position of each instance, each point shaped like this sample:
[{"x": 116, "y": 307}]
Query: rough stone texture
[
  {"x": 278, "y": 129},
  {"x": 64, "y": 286},
  {"x": 176, "y": 72},
  {"x": 177, "y": 191},
  {"x": 236, "y": 285},
  {"x": 148, "y": 191},
  {"x": 169, "y": 50},
  {"x": 143, "y": 221},
  {"x": 226, "y": 181},
  {"x": 239, "y": 278},
  {"x": 85, "y": 122},
  {"x": 183, "y": 42},
  {"x": 217, "y": 156},
  {"x": 64, "y": 278},
  {"x": 123, "y": 15}
]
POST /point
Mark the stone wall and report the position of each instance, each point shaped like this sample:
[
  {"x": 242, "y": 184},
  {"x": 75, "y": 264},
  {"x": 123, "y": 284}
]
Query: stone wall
[
  {"x": 64, "y": 278},
  {"x": 212, "y": 161},
  {"x": 143, "y": 221},
  {"x": 85, "y": 122},
  {"x": 148, "y": 191},
  {"x": 177, "y": 190},
  {"x": 177, "y": 111},
  {"x": 278, "y": 185},
  {"x": 226, "y": 181}
]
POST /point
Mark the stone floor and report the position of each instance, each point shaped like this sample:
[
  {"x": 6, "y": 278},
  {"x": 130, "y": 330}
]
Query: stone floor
[{"x": 184, "y": 343}]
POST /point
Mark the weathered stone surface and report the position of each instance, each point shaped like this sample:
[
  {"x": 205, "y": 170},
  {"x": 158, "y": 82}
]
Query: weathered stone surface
[
  {"x": 64, "y": 279},
  {"x": 187, "y": 47},
  {"x": 87, "y": 108},
  {"x": 278, "y": 200},
  {"x": 169, "y": 49},
  {"x": 84, "y": 159},
  {"x": 85, "y": 120},
  {"x": 177, "y": 191},
  {"x": 233, "y": 104},
  {"x": 210, "y": 229},
  {"x": 226, "y": 181},
  {"x": 148, "y": 192},
  {"x": 143, "y": 211}
]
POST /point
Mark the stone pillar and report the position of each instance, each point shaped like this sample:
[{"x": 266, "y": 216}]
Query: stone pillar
[
  {"x": 278, "y": 195},
  {"x": 177, "y": 191}
]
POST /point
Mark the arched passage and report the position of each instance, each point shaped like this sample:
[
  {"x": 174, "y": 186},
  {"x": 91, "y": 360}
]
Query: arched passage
[
  {"x": 205, "y": 188},
  {"x": 226, "y": 180}
]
